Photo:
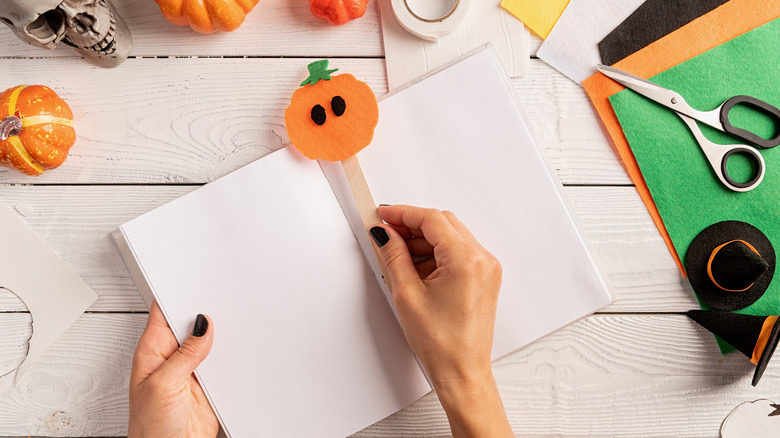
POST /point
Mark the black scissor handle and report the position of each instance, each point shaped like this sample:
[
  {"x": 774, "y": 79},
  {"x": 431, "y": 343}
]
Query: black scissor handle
[
  {"x": 758, "y": 167},
  {"x": 759, "y": 105}
]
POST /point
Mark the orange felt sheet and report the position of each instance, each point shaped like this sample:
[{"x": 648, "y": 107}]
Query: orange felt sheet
[{"x": 712, "y": 29}]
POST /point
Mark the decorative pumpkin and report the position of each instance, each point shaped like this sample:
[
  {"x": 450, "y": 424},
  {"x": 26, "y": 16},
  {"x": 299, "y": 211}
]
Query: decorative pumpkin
[
  {"x": 331, "y": 118},
  {"x": 36, "y": 129},
  {"x": 207, "y": 16},
  {"x": 338, "y": 12}
]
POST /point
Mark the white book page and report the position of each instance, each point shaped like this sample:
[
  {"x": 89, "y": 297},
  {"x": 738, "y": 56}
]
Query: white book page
[
  {"x": 458, "y": 141},
  {"x": 305, "y": 343}
]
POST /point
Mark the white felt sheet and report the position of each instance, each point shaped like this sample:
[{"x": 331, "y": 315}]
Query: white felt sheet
[
  {"x": 409, "y": 57},
  {"x": 572, "y": 46}
]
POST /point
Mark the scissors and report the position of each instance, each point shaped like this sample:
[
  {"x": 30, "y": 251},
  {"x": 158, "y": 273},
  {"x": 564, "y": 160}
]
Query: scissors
[{"x": 717, "y": 155}]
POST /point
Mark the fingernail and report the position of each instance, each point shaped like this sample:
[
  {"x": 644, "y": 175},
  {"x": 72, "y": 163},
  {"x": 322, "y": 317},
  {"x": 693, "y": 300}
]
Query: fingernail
[
  {"x": 385, "y": 205},
  {"x": 380, "y": 236},
  {"x": 201, "y": 326}
]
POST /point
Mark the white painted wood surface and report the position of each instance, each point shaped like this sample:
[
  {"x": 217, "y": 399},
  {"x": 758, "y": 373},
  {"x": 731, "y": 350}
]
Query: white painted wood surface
[{"x": 187, "y": 109}]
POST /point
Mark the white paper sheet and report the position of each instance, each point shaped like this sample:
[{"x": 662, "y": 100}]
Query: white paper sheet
[
  {"x": 572, "y": 46},
  {"x": 408, "y": 57},
  {"x": 53, "y": 293},
  {"x": 305, "y": 343},
  {"x": 458, "y": 141}
]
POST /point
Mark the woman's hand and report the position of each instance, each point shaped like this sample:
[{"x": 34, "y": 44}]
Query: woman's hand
[
  {"x": 165, "y": 399},
  {"x": 445, "y": 288}
]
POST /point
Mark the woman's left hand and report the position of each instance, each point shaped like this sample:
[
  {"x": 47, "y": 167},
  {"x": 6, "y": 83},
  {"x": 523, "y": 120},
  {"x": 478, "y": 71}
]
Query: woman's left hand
[{"x": 166, "y": 400}]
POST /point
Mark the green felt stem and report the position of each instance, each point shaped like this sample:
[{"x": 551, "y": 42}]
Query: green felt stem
[{"x": 318, "y": 70}]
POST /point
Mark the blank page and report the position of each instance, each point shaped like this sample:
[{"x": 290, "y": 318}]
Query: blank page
[
  {"x": 458, "y": 141},
  {"x": 306, "y": 344}
]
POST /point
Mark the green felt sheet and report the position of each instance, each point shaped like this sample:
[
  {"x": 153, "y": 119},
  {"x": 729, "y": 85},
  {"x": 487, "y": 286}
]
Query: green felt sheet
[{"x": 683, "y": 185}]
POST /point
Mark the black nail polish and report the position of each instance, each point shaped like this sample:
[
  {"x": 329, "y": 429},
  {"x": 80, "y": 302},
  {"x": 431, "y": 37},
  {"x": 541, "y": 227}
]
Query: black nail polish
[
  {"x": 384, "y": 205},
  {"x": 201, "y": 326},
  {"x": 380, "y": 236}
]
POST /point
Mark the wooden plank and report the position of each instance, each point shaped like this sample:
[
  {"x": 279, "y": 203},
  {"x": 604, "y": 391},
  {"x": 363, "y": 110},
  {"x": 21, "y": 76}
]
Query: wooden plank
[
  {"x": 627, "y": 376},
  {"x": 194, "y": 120},
  {"x": 608, "y": 375},
  {"x": 79, "y": 387},
  {"x": 272, "y": 28},
  {"x": 75, "y": 222}
]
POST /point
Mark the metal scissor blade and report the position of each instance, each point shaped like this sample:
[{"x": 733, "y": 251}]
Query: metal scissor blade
[{"x": 664, "y": 96}]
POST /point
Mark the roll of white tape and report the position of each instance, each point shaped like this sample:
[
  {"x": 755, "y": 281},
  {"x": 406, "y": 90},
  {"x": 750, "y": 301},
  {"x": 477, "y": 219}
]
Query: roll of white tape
[{"x": 429, "y": 29}]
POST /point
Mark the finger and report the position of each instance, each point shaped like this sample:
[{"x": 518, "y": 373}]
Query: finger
[
  {"x": 419, "y": 246},
  {"x": 155, "y": 346},
  {"x": 425, "y": 267},
  {"x": 433, "y": 224},
  {"x": 192, "y": 352},
  {"x": 395, "y": 255}
]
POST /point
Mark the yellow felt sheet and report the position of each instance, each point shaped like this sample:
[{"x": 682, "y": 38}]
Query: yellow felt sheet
[
  {"x": 539, "y": 15},
  {"x": 713, "y": 29}
]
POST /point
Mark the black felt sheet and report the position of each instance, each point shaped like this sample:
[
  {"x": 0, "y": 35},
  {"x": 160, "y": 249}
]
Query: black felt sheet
[{"x": 653, "y": 20}]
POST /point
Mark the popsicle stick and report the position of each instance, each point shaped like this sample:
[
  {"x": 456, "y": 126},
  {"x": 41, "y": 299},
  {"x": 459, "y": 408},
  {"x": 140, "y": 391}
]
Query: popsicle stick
[{"x": 365, "y": 202}]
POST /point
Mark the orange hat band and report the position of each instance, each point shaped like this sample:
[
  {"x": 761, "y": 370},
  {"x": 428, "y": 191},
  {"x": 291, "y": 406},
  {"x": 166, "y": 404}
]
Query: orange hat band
[
  {"x": 763, "y": 338},
  {"x": 712, "y": 257}
]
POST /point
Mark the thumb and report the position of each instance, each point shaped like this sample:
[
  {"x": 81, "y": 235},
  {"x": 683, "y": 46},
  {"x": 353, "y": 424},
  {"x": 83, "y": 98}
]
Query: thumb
[
  {"x": 190, "y": 354},
  {"x": 394, "y": 255}
]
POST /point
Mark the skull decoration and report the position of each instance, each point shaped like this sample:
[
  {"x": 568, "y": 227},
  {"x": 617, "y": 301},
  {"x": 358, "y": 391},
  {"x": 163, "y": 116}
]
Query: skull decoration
[{"x": 92, "y": 27}]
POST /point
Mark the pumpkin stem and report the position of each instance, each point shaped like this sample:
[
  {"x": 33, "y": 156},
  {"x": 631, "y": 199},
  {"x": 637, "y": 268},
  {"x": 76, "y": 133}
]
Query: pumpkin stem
[
  {"x": 10, "y": 126},
  {"x": 318, "y": 70}
]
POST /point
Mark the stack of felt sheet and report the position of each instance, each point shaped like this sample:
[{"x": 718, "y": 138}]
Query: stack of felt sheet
[
  {"x": 581, "y": 33},
  {"x": 706, "y": 50},
  {"x": 732, "y": 49}
]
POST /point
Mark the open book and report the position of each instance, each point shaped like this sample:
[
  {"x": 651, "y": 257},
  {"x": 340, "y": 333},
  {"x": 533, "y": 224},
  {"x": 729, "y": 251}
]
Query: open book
[{"x": 307, "y": 343}]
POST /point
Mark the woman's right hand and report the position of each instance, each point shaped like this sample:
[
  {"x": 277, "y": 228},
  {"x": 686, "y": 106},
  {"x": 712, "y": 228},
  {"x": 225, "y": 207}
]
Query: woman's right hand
[{"x": 446, "y": 303}]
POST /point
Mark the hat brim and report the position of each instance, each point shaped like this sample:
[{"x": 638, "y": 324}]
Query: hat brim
[
  {"x": 769, "y": 350},
  {"x": 699, "y": 253}
]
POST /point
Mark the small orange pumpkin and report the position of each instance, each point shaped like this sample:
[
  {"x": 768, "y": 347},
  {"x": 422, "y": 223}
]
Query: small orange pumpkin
[
  {"x": 207, "y": 16},
  {"x": 331, "y": 118},
  {"x": 36, "y": 129},
  {"x": 338, "y": 12}
]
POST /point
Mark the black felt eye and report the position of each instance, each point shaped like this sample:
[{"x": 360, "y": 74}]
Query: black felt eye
[
  {"x": 338, "y": 105},
  {"x": 318, "y": 115}
]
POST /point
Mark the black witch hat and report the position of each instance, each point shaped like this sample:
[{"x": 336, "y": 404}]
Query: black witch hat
[
  {"x": 754, "y": 336},
  {"x": 730, "y": 265}
]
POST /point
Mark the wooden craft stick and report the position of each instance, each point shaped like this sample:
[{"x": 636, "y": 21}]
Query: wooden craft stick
[{"x": 365, "y": 203}]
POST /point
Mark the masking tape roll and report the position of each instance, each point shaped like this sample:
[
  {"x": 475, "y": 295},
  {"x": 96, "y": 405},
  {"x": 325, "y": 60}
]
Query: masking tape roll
[{"x": 429, "y": 29}]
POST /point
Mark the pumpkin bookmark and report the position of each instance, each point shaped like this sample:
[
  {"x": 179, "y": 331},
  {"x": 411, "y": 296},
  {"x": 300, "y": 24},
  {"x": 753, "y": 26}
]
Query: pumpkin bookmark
[{"x": 333, "y": 118}]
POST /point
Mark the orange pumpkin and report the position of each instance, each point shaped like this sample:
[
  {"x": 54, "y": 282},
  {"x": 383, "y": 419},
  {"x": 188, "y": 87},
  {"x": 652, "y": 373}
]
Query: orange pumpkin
[
  {"x": 207, "y": 16},
  {"x": 331, "y": 118},
  {"x": 36, "y": 129},
  {"x": 338, "y": 12}
]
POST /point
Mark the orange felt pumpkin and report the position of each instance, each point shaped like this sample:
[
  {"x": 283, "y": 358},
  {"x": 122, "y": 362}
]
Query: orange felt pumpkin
[
  {"x": 338, "y": 12},
  {"x": 207, "y": 16},
  {"x": 331, "y": 118},
  {"x": 36, "y": 129}
]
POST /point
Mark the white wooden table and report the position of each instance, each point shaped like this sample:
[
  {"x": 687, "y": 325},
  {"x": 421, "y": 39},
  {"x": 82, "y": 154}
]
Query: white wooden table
[{"x": 186, "y": 109}]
